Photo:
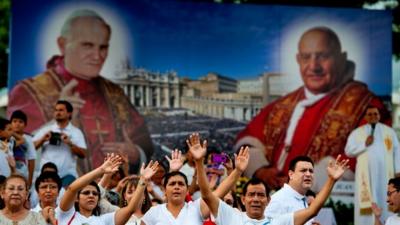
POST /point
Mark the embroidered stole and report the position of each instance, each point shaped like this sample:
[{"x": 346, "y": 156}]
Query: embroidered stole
[{"x": 346, "y": 107}]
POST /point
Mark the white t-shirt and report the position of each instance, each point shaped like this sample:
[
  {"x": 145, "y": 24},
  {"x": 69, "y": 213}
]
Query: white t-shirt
[
  {"x": 286, "y": 200},
  {"x": 61, "y": 155},
  {"x": 231, "y": 216},
  {"x": 29, "y": 152},
  {"x": 5, "y": 152},
  {"x": 393, "y": 220},
  {"x": 77, "y": 219},
  {"x": 189, "y": 215}
]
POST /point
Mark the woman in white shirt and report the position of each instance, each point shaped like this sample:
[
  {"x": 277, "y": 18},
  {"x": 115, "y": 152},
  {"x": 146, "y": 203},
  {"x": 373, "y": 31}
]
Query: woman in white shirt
[
  {"x": 127, "y": 194},
  {"x": 86, "y": 193}
]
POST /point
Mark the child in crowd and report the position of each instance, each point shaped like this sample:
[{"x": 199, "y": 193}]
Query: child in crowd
[
  {"x": 25, "y": 153},
  {"x": 7, "y": 162}
]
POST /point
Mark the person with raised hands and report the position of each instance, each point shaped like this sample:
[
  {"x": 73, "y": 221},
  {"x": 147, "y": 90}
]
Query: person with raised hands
[
  {"x": 85, "y": 193},
  {"x": 176, "y": 210},
  {"x": 254, "y": 197}
]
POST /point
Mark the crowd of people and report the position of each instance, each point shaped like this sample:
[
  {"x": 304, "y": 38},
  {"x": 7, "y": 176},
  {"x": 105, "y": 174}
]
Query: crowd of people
[
  {"x": 197, "y": 186},
  {"x": 88, "y": 199}
]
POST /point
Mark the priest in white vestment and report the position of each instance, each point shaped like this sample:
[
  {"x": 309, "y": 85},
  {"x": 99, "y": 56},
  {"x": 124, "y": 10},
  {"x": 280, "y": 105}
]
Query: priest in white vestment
[{"x": 376, "y": 147}]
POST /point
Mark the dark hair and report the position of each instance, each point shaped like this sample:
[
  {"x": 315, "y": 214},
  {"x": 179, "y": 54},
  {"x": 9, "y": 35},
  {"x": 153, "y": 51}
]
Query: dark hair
[
  {"x": 133, "y": 182},
  {"x": 68, "y": 105},
  {"x": 157, "y": 200},
  {"x": 49, "y": 165},
  {"x": 96, "y": 211},
  {"x": 235, "y": 200},
  {"x": 48, "y": 176},
  {"x": 172, "y": 174},
  {"x": 3, "y": 123},
  {"x": 2, "y": 183},
  {"x": 395, "y": 182},
  {"x": 18, "y": 114},
  {"x": 255, "y": 181},
  {"x": 310, "y": 193},
  {"x": 301, "y": 158}
]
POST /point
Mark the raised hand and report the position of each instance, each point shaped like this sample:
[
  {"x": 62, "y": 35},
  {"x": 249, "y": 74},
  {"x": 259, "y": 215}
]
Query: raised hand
[
  {"x": 147, "y": 172},
  {"x": 111, "y": 163},
  {"x": 242, "y": 159},
  {"x": 176, "y": 161},
  {"x": 228, "y": 165},
  {"x": 376, "y": 210},
  {"x": 197, "y": 149},
  {"x": 337, "y": 168}
]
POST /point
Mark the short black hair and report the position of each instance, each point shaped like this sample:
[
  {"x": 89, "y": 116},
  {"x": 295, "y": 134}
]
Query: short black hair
[
  {"x": 49, "y": 165},
  {"x": 395, "y": 182},
  {"x": 4, "y": 123},
  {"x": 67, "y": 104},
  {"x": 172, "y": 174},
  {"x": 301, "y": 158},
  {"x": 47, "y": 176},
  {"x": 255, "y": 181},
  {"x": 19, "y": 114},
  {"x": 2, "y": 183}
]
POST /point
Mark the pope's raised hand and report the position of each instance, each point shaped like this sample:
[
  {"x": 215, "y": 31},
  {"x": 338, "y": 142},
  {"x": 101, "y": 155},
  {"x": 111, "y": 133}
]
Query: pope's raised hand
[
  {"x": 176, "y": 161},
  {"x": 337, "y": 168},
  {"x": 69, "y": 94},
  {"x": 197, "y": 149},
  {"x": 148, "y": 171},
  {"x": 242, "y": 158}
]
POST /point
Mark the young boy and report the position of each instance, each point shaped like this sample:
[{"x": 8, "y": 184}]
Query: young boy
[
  {"x": 25, "y": 153},
  {"x": 7, "y": 163}
]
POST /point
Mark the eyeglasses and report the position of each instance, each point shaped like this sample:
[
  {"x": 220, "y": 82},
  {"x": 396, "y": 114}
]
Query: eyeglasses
[
  {"x": 389, "y": 193},
  {"x": 95, "y": 193}
]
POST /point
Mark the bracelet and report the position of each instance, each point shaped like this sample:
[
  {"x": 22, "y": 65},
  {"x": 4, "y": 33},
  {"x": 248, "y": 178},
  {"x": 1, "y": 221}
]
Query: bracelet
[{"x": 142, "y": 183}]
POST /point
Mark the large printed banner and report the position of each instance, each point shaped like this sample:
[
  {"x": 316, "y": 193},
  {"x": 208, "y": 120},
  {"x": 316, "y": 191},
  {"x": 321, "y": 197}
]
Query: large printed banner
[{"x": 54, "y": 57}]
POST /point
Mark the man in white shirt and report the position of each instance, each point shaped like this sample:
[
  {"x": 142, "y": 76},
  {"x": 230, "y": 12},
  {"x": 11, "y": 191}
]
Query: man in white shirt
[
  {"x": 393, "y": 203},
  {"x": 291, "y": 197},
  {"x": 61, "y": 142},
  {"x": 254, "y": 196},
  {"x": 393, "y": 200}
]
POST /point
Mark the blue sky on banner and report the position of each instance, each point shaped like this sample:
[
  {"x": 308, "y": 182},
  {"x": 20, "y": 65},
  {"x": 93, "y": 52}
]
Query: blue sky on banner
[{"x": 191, "y": 38}]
